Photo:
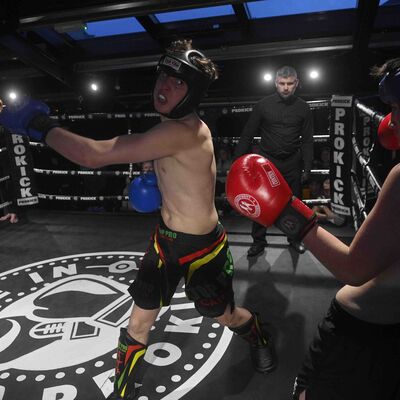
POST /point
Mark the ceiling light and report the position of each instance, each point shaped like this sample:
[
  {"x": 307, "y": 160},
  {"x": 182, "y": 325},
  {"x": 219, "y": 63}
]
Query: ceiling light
[
  {"x": 268, "y": 77},
  {"x": 12, "y": 95},
  {"x": 94, "y": 87}
]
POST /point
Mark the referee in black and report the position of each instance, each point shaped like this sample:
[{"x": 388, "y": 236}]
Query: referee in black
[{"x": 284, "y": 123}]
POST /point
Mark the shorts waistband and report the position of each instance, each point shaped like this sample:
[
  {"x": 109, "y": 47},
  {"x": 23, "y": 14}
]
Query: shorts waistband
[
  {"x": 359, "y": 327},
  {"x": 182, "y": 237}
]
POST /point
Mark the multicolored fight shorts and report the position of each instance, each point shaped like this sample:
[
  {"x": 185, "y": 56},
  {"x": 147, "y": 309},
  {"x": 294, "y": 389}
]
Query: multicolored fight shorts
[{"x": 204, "y": 261}]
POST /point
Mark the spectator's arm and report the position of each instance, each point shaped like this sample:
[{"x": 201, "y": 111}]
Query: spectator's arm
[{"x": 12, "y": 217}]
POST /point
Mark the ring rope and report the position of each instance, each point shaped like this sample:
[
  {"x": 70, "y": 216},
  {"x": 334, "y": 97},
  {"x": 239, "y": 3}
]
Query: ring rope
[
  {"x": 38, "y": 144},
  {"x": 358, "y": 198},
  {"x": 310, "y": 202},
  {"x": 5, "y": 204},
  {"x": 375, "y": 116},
  {"x": 79, "y": 172},
  {"x": 325, "y": 137},
  {"x": 316, "y": 202},
  {"x": 233, "y": 139},
  {"x": 80, "y": 198},
  {"x": 5, "y": 178},
  {"x": 374, "y": 182},
  {"x": 320, "y": 171},
  {"x": 223, "y": 107},
  {"x": 128, "y": 173}
]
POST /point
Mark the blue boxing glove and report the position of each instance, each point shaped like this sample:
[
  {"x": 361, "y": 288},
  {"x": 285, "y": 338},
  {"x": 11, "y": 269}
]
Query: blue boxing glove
[
  {"x": 28, "y": 117},
  {"x": 144, "y": 194}
]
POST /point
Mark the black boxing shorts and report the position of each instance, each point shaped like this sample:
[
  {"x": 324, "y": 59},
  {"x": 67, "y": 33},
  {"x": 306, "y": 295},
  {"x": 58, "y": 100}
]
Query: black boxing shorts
[
  {"x": 203, "y": 261},
  {"x": 351, "y": 359}
]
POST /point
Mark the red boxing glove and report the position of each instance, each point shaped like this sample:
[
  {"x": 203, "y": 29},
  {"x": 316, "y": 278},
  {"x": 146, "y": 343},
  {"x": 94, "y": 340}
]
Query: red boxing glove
[
  {"x": 257, "y": 190},
  {"x": 387, "y": 135}
]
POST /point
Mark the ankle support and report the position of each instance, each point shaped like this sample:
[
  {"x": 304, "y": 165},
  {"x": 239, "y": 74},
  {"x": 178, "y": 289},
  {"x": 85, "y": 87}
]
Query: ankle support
[{"x": 129, "y": 357}]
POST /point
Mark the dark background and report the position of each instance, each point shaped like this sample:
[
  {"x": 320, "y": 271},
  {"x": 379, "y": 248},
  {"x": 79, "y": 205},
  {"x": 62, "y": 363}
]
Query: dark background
[{"x": 39, "y": 58}]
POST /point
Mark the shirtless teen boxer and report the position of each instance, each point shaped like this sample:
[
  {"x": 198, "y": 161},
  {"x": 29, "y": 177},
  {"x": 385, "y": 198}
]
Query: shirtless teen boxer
[{"x": 189, "y": 241}]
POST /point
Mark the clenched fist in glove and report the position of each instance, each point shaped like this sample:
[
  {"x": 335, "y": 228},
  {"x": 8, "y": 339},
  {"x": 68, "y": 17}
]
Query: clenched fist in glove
[
  {"x": 27, "y": 117},
  {"x": 257, "y": 190}
]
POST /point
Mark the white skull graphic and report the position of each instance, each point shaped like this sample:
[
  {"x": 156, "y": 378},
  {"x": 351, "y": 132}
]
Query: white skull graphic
[{"x": 68, "y": 322}]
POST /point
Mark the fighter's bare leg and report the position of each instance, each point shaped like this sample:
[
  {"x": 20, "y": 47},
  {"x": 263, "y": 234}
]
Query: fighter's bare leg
[
  {"x": 140, "y": 323},
  {"x": 235, "y": 318}
]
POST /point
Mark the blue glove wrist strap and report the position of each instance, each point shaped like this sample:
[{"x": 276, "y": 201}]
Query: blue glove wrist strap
[{"x": 40, "y": 125}]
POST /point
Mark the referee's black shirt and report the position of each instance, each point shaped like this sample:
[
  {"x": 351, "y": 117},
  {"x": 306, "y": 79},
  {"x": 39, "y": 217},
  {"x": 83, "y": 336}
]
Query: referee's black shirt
[{"x": 285, "y": 126}]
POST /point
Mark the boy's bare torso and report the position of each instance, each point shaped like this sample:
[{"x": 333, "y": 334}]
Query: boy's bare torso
[
  {"x": 187, "y": 182},
  {"x": 376, "y": 301}
]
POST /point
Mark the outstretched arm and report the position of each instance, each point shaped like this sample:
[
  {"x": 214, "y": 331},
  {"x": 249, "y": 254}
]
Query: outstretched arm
[
  {"x": 375, "y": 246},
  {"x": 257, "y": 190},
  {"x": 30, "y": 117},
  {"x": 164, "y": 140}
]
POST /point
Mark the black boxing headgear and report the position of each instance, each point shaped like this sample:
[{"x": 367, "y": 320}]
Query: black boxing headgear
[
  {"x": 389, "y": 87},
  {"x": 182, "y": 66}
]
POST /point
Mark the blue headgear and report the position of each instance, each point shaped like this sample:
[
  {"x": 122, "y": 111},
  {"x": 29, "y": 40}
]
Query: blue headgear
[
  {"x": 181, "y": 66},
  {"x": 389, "y": 87}
]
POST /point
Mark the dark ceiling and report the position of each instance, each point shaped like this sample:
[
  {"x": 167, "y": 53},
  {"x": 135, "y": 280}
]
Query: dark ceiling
[{"x": 40, "y": 59}]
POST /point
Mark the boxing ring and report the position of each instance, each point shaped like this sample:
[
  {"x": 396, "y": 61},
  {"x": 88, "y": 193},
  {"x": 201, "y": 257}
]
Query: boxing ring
[
  {"x": 225, "y": 110},
  {"x": 90, "y": 258},
  {"x": 361, "y": 179}
]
